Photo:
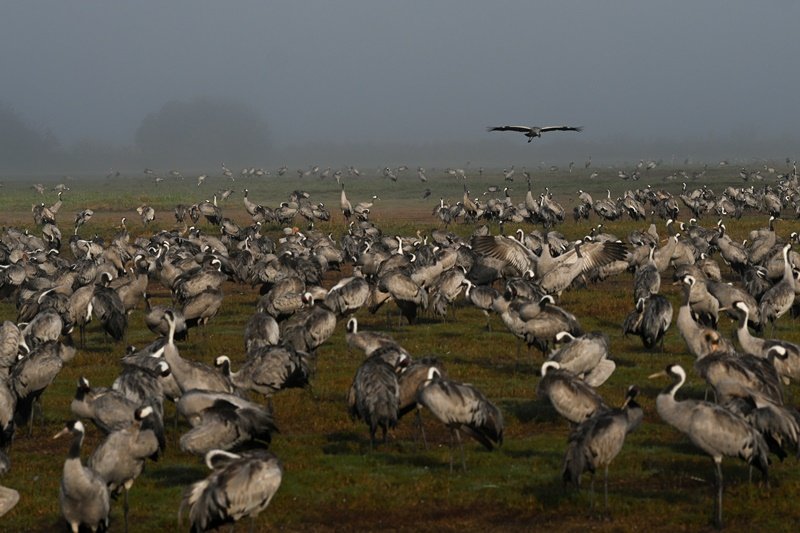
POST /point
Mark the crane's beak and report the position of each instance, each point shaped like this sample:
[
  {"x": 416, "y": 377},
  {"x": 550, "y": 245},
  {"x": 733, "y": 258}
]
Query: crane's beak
[
  {"x": 61, "y": 433},
  {"x": 661, "y": 374}
]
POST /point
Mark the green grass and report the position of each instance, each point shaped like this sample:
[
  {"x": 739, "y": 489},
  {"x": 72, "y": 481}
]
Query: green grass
[{"x": 332, "y": 481}]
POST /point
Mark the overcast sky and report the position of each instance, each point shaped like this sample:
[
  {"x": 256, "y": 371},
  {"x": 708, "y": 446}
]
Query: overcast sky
[{"x": 412, "y": 72}]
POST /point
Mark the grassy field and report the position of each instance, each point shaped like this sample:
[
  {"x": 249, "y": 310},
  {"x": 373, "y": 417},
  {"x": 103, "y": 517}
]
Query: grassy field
[{"x": 332, "y": 480}]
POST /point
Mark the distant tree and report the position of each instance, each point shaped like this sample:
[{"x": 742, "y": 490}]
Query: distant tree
[
  {"x": 22, "y": 146},
  {"x": 202, "y": 132}
]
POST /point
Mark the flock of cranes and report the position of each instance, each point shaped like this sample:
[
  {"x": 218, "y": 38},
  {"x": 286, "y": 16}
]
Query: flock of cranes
[{"x": 311, "y": 284}]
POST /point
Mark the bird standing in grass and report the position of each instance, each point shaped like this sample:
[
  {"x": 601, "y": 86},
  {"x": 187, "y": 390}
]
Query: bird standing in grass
[
  {"x": 84, "y": 497},
  {"x": 712, "y": 428},
  {"x": 240, "y": 485},
  {"x": 461, "y": 407},
  {"x": 598, "y": 440}
]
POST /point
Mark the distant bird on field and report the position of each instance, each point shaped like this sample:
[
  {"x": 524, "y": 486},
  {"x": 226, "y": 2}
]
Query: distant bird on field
[{"x": 534, "y": 131}]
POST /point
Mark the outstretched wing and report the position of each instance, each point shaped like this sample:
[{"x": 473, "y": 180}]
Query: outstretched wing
[
  {"x": 505, "y": 249},
  {"x": 522, "y": 129},
  {"x": 592, "y": 255},
  {"x": 561, "y": 128}
]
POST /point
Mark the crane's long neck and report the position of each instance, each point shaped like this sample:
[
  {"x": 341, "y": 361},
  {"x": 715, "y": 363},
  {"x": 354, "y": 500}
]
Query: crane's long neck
[
  {"x": 671, "y": 410},
  {"x": 749, "y": 343},
  {"x": 788, "y": 275},
  {"x": 75, "y": 446}
]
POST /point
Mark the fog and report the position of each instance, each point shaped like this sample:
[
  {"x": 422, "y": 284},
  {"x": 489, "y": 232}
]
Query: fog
[{"x": 407, "y": 82}]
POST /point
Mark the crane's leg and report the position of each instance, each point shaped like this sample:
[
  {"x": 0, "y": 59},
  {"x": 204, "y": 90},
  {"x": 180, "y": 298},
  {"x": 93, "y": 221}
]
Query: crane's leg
[
  {"x": 591, "y": 493},
  {"x": 451, "y": 450},
  {"x": 461, "y": 447},
  {"x": 718, "y": 499},
  {"x": 125, "y": 509},
  {"x": 421, "y": 428},
  {"x": 605, "y": 492}
]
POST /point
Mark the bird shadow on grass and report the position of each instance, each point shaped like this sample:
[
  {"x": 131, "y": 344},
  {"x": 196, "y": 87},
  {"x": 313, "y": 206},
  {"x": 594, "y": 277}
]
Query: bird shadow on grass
[
  {"x": 548, "y": 456},
  {"x": 548, "y": 493},
  {"x": 529, "y": 411},
  {"x": 414, "y": 459},
  {"x": 344, "y": 443},
  {"x": 176, "y": 475}
]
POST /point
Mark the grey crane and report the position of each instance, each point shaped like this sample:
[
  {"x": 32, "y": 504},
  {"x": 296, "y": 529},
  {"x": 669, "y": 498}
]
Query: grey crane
[
  {"x": 109, "y": 309},
  {"x": 109, "y": 409},
  {"x": 8, "y": 405},
  {"x": 155, "y": 321},
  {"x": 445, "y": 289},
  {"x": 191, "y": 374},
  {"x": 345, "y": 205},
  {"x": 788, "y": 366},
  {"x": 120, "y": 458},
  {"x": 143, "y": 380},
  {"x": 700, "y": 340},
  {"x": 309, "y": 329},
  {"x": 368, "y": 341},
  {"x": 192, "y": 404},
  {"x": 406, "y": 293},
  {"x": 228, "y": 426},
  {"x": 83, "y": 495},
  {"x": 194, "y": 282},
  {"x": 702, "y": 303},
  {"x": 585, "y": 356},
  {"x": 82, "y": 218},
  {"x": 260, "y": 331},
  {"x": 537, "y": 323},
  {"x": 147, "y": 213},
  {"x": 11, "y": 343},
  {"x": 271, "y": 369},
  {"x": 375, "y": 393},
  {"x": 569, "y": 395},
  {"x": 461, "y": 407},
  {"x": 211, "y": 211},
  {"x": 199, "y": 309},
  {"x": 482, "y": 297},
  {"x": 531, "y": 132},
  {"x": 779, "y": 299},
  {"x": 646, "y": 280},
  {"x": 509, "y": 249},
  {"x": 284, "y": 298},
  {"x": 597, "y": 441},
  {"x": 753, "y": 372},
  {"x": 728, "y": 294},
  {"x": 410, "y": 382},
  {"x": 8, "y": 496},
  {"x": 80, "y": 311},
  {"x": 412, "y": 379},
  {"x": 132, "y": 291},
  {"x": 712, "y": 428},
  {"x": 779, "y": 424},
  {"x": 249, "y": 206},
  {"x": 650, "y": 319},
  {"x": 556, "y": 274},
  {"x": 33, "y": 374},
  {"x": 239, "y": 486},
  {"x": 45, "y": 327},
  {"x": 348, "y": 295}
]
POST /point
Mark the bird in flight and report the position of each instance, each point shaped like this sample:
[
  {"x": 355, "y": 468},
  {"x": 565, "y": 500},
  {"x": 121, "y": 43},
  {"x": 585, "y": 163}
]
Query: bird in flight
[{"x": 534, "y": 131}]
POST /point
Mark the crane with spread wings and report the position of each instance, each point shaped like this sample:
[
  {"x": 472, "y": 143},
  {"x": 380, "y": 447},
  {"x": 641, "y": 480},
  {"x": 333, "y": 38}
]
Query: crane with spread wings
[{"x": 534, "y": 131}]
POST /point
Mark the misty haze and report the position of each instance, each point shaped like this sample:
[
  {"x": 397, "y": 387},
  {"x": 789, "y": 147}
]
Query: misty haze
[{"x": 193, "y": 84}]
